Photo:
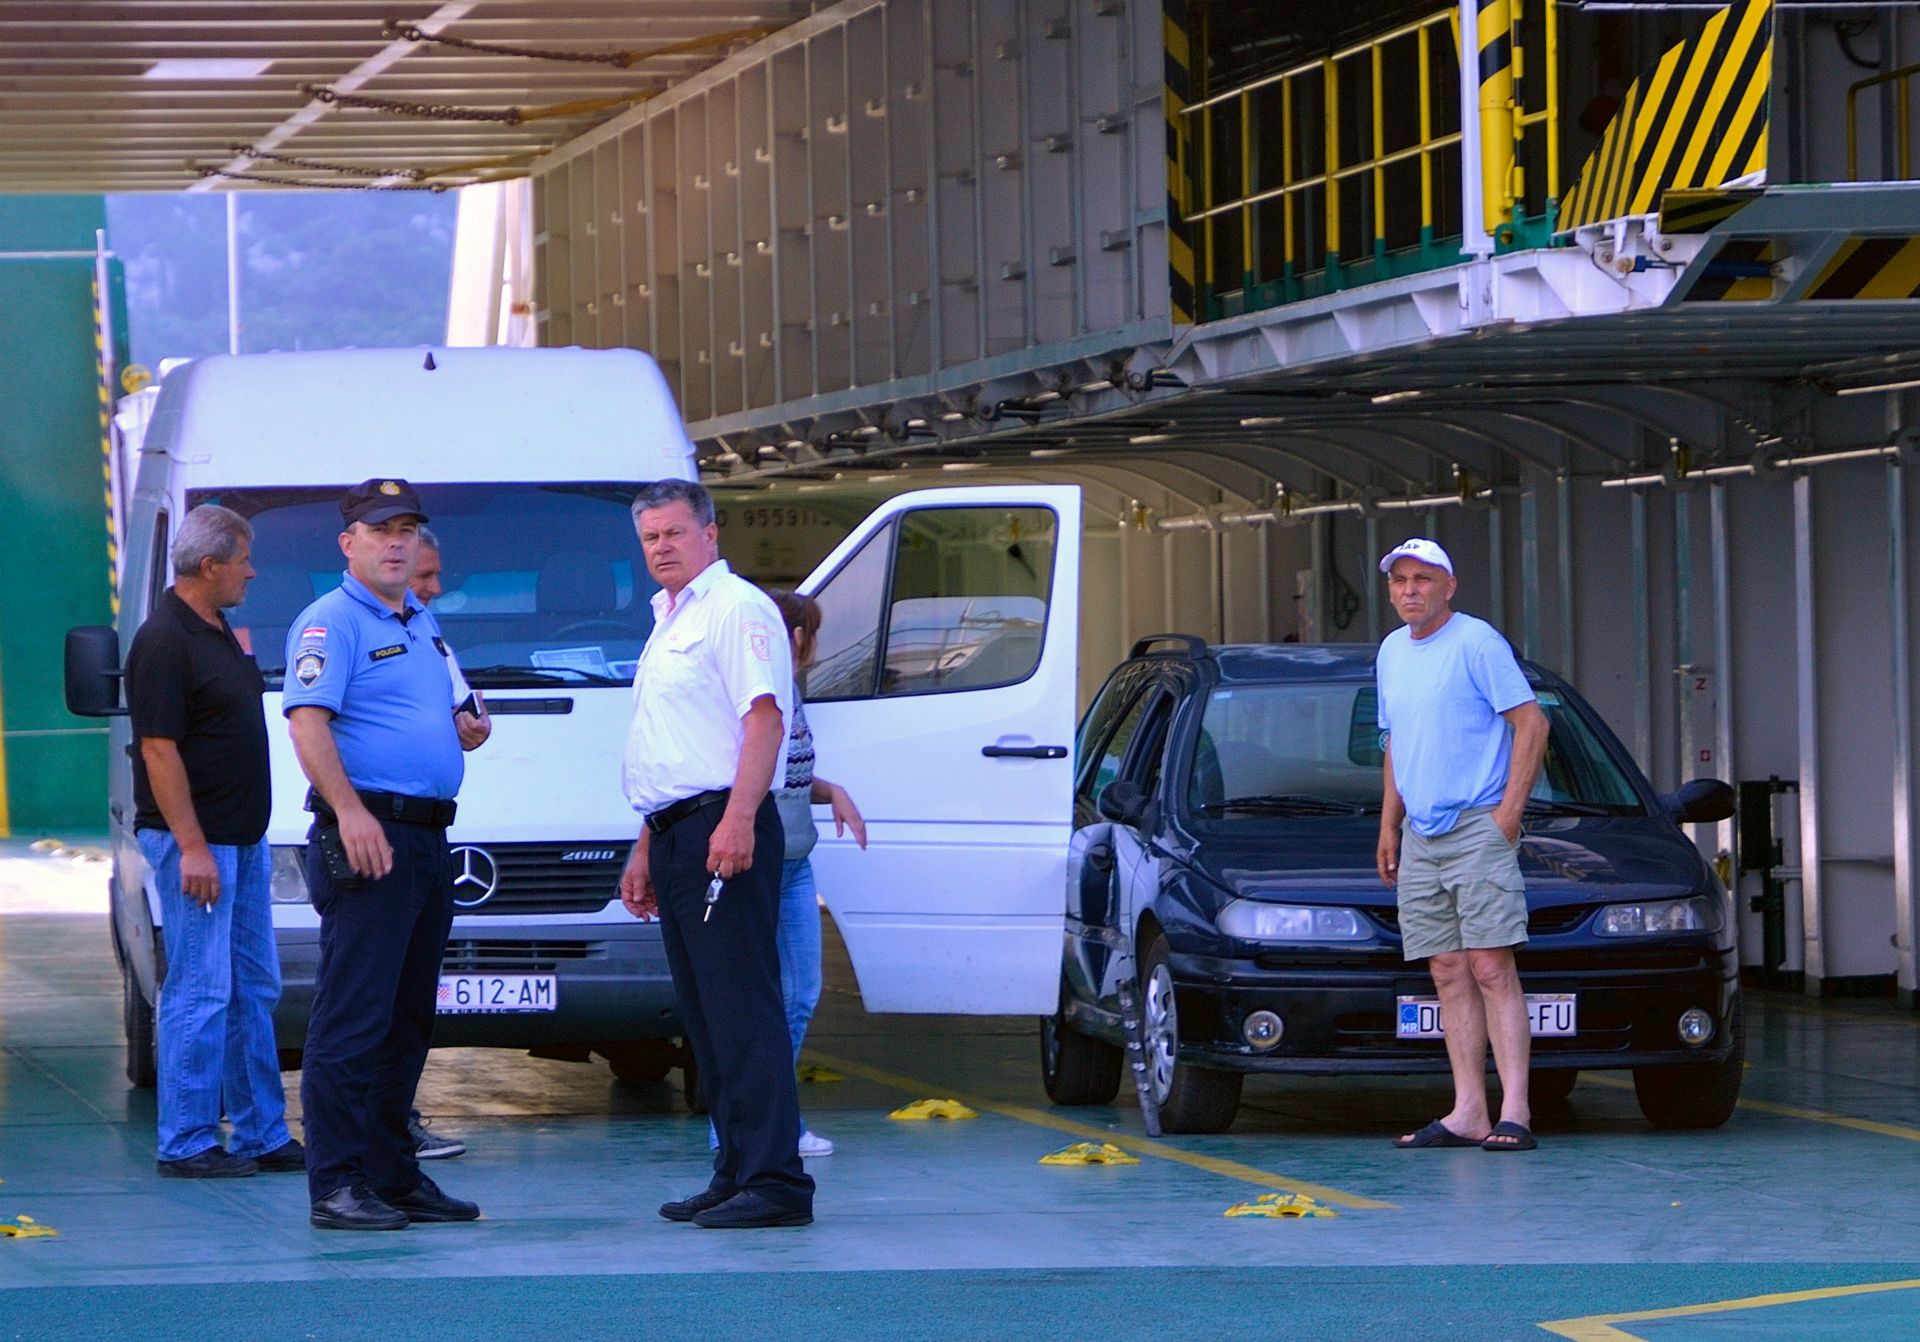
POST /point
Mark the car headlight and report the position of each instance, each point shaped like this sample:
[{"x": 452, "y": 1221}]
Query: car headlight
[
  {"x": 1252, "y": 920},
  {"x": 1658, "y": 916},
  {"x": 289, "y": 874}
]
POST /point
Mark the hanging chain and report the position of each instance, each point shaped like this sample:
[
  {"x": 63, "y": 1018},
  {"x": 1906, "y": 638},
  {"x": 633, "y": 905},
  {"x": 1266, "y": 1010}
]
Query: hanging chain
[
  {"x": 344, "y": 169},
  {"x": 508, "y": 116},
  {"x": 622, "y": 60},
  {"x": 267, "y": 179}
]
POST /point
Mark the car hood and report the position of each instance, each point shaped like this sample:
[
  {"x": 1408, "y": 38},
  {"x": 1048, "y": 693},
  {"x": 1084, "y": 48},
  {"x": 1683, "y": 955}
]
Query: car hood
[{"x": 1565, "y": 860}]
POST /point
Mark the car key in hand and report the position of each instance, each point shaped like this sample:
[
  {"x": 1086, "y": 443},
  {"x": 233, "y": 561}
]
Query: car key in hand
[{"x": 713, "y": 895}]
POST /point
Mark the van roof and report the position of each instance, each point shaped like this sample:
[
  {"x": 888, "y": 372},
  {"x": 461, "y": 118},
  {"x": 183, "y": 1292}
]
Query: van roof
[{"x": 329, "y": 417}]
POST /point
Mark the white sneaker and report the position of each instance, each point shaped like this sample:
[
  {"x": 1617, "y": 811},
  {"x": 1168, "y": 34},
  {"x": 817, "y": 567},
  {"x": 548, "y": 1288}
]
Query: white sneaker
[{"x": 813, "y": 1144}]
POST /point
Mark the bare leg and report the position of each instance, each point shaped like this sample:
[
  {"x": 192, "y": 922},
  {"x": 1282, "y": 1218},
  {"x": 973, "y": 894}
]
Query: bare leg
[
  {"x": 1505, "y": 1005},
  {"x": 1466, "y": 1026}
]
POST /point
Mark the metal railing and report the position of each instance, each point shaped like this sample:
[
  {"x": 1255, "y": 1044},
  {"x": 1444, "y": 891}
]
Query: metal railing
[
  {"x": 1902, "y": 81},
  {"x": 1306, "y": 172}
]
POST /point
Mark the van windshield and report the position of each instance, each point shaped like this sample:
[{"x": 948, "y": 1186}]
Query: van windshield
[
  {"x": 1315, "y": 749},
  {"x": 543, "y": 584}
]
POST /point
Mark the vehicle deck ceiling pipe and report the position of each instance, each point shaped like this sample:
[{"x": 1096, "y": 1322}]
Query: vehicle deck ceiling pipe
[
  {"x": 1563, "y": 562},
  {"x": 1496, "y": 563},
  {"x": 1642, "y": 638},
  {"x": 1906, "y": 897},
  {"x": 1682, "y": 631},
  {"x": 1530, "y": 569},
  {"x": 1813, "y": 962},
  {"x": 1374, "y": 551}
]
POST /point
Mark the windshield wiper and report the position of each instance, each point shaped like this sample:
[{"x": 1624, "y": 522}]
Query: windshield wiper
[
  {"x": 1540, "y": 806},
  {"x": 504, "y": 676},
  {"x": 1287, "y": 803}
]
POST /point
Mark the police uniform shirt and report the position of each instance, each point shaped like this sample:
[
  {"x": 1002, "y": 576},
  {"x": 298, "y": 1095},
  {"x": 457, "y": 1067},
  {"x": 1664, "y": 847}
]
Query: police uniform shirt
[
  {"x": 189, "y": 682},
  {"x": 711, "y": 654},
  {"x": 387, "y": 682}
]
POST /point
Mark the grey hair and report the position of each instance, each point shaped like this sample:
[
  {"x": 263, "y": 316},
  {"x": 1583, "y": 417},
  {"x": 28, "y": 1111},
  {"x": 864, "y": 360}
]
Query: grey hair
[
  {"x": 428, "y": 540},
  {"x": 663, "y": 492},
  {"x": 209, "y": 532}
]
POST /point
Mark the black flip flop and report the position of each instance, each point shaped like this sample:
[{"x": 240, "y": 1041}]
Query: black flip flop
[
  {"x": 1513, "y": 1137},
  {"x": 1435, "y": 1133}
]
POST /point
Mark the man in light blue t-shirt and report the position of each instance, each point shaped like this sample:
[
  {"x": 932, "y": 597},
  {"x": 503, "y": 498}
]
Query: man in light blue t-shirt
[{"x": 1464, "y": 738}]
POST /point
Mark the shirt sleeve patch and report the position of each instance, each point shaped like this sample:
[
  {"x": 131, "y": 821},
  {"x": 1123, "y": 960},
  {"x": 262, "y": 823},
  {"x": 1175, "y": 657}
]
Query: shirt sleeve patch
[
  {"x": 308, "y": 666},
  {"x": 314, "y": 632},
  {"x": 759, "y": 640}
]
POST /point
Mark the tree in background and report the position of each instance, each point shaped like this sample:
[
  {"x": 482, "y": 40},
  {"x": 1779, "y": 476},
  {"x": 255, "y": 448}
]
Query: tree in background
[{"x": 318, "y": 270}]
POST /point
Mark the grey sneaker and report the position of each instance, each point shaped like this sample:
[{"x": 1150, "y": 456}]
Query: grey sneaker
[
  {"x": 429, "y": 1145},
  {"x": 813, "y": 1144},
  {"x": 213, "y": 1163}
]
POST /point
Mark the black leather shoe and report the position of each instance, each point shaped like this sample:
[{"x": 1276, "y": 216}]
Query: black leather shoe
[
  {"x": 750, "y": 1211},
  {"x": 355, "y": 1208},
  {"x": 428, "y": 1203},
  {"x": 687, "y": 1208},
  {"x": 213, "y": 1163},
  {"x": 283, "y": 1159}
]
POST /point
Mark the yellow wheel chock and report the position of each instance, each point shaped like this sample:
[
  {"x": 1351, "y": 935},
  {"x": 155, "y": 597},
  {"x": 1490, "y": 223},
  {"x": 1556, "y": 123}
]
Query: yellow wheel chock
[
  {"x": 25, "y": 1227},
  {"x": 818, "y": 1075},
  {"x": 925, "y": 1109},
  {"x": 1091, "y": 1153}
]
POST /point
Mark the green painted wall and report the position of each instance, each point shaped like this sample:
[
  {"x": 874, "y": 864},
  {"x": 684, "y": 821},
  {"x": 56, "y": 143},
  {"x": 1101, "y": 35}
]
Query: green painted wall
[{"x": 53, "y": 565}]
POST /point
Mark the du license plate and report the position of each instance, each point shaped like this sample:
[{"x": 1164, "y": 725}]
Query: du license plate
[
  {"x": 461, "y": 993},
  {"x": 1550, "y": 1013}
]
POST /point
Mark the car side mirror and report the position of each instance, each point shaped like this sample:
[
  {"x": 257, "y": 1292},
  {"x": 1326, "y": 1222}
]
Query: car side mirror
[
  {"x": 93, "y": 672},
  {"x": 1701, "y": 802},
  {"x": 1125, "y": 803}
]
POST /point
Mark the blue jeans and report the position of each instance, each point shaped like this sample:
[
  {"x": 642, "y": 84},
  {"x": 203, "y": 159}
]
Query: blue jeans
[
  {"x": 213, "y": 1035},
  {"x": 799, "y": 945}
]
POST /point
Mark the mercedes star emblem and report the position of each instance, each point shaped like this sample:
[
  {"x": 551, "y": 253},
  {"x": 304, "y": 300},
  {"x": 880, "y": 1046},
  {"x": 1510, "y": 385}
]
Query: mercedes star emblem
[{"x": 474, "y": 877}]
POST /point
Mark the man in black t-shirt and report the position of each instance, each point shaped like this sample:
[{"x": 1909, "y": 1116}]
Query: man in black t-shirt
[{"x": 202, "y": 796}]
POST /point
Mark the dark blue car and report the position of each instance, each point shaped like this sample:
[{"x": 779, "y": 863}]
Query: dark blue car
[{"x": 1226, "y": 811}]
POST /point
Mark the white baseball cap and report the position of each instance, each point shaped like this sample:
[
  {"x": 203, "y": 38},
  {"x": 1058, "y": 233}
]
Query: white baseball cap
[{"x": 1420, "y": 548}]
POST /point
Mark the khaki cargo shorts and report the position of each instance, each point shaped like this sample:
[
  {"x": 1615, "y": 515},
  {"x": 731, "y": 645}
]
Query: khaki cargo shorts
[{"x": 1460, "y": 890}]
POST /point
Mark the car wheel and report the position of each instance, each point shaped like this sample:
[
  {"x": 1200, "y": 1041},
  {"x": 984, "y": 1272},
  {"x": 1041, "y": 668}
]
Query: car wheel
[
  {"x": 1694, "y": 1097},
  {"x": 1077, "y": 1068},
  {"x": 1551, "y": 1085},
  {"x": 136, "y": 1016},
  {"x": 1190, "y": 1099},
  {"x": 638, "y": 1061}
]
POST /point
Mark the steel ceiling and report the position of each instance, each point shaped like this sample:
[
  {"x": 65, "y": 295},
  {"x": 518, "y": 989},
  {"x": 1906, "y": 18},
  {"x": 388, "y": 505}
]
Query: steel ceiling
[{"x": 78, "y": 111}]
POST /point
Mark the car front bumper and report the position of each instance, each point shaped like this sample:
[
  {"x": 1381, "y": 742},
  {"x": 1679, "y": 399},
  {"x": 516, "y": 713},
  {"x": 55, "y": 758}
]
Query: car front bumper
[
  {"x": 1341, "y": 1019},
  {"x": 611, "y": 983}
]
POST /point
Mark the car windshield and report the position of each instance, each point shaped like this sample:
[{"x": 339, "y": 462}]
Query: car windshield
[
  {"x": 1315, "y": 750},
  {"x": 542, "y": 584}
]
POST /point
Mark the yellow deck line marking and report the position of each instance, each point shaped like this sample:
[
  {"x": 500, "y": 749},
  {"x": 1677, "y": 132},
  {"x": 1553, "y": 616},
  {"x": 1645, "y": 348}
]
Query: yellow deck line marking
[
  {"x": 1144, "y": 1146},
  {"x": 1879, "y": 1129},
  {"x": 1599, "y": 1327}
]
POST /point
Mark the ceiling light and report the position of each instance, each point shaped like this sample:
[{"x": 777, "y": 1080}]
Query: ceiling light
[
  {"x": 1879, "y": 386},
  {"x": 207, "y": 67},
  {"x": 962, "y": 466},
  {"x": 1263, "y": 421},
  {"x": 1386, "y": 397},
  {"x": 1141, "y": 438}
]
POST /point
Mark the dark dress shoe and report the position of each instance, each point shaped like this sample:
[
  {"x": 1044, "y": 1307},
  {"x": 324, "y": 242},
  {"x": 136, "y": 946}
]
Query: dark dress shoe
[
  {"x": 687, "y": 1208},
  {"x": 749, "y": 1211},
  {"x": 428, "y": 1203},
  {"x": 355, "y": 1208},
  {"x": 216, "y": 1162},
  {"x": 283, "y": 1159}
]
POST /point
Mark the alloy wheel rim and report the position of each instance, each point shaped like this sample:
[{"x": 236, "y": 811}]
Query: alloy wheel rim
[{"x": 1162, "y": 1031}]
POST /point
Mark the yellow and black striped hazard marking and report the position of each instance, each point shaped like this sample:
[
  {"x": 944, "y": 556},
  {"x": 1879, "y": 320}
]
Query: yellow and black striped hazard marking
[
  {"x": 1703, "y": 211},
  {"x": 1698, "y": 119},
  {"x": 1182, "y": 291},
  {"x": 105, "y": 389},
  {"x": 1870, "y": 268},
  {"x": 1740, "y": 272}
]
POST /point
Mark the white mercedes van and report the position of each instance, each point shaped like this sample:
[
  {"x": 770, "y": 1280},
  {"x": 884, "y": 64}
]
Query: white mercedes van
[{"x": 943, "y": 696}]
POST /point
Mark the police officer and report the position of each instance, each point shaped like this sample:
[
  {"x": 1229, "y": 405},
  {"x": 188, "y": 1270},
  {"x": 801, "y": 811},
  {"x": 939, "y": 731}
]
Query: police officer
[
  {"x": 368, "y": 697},
  {"x": 711, "y": 696}
]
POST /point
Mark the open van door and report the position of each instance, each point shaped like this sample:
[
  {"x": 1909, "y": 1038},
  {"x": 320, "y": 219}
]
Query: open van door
[{"x": 942, "y": 698}]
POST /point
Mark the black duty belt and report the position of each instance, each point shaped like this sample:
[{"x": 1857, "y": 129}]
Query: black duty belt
[
  {"x": 667, "y": 817},
  {"x": 395, "y": 806}
]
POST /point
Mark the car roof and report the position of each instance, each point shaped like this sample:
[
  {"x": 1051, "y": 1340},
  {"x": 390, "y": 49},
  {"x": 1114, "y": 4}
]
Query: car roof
[{"x": 1319, "y": 663}]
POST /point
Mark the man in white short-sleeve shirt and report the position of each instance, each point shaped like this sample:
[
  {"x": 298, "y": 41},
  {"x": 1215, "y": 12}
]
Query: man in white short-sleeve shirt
[
  {"x": 711, "y": 697},
  {"x": 1463, "y": 738}
]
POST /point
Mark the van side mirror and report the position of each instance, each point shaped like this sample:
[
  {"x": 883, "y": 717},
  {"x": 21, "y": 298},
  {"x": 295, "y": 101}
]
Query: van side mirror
[
  {"x": 1125, "y": 803},
  {"x": 93, "y": 672},
  {"x": 1701, "y": 802}
]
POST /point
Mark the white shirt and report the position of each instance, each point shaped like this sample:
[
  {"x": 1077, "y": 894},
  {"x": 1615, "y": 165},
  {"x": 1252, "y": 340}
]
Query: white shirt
[{"x": 712, "y": 652}]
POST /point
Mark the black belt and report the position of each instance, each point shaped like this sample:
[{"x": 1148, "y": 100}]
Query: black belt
[
  {"x": 667, "y": 817},
  {"x": 395, "y": 806}
]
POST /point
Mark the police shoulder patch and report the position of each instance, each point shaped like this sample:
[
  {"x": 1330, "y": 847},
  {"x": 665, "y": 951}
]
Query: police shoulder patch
[
  {"x": 391, "y": 650},
  {"x": 308, "y": 666}
]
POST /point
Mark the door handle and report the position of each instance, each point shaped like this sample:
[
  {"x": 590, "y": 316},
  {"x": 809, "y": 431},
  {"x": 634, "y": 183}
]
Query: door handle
[
  {"x": 1024, "y": 752},
  {"x": 1100, "y": 857}
]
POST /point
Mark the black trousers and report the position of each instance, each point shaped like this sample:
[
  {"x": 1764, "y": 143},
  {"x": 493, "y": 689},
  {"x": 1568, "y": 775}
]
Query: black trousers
[
  {"x": 374, "y": 997},
  {"x": 726, "y": 975}
]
